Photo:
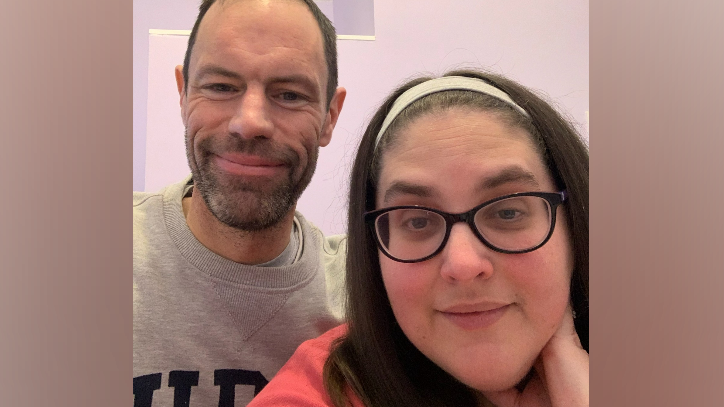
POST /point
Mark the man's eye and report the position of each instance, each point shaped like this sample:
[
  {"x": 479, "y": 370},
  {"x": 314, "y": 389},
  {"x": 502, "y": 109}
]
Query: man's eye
[
  {"x": 290, "y": 96},
  {"x": 220, "y": 87}
]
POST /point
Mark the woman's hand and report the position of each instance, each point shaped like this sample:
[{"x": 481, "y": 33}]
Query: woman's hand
[{"x": 560, "y": 376}]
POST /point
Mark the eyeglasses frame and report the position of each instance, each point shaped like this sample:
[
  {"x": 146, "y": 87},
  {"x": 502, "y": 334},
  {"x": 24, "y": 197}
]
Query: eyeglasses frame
[{"x": 554, "y": 199}]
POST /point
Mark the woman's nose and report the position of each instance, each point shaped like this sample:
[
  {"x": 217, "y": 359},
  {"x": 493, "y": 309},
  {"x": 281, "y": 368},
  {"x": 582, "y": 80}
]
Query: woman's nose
[
  {"x": 252, "y": 115},
  {"x": 465, "y": 257}
]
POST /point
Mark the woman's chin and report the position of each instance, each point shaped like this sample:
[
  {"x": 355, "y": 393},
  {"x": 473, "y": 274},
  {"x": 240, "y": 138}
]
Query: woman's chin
[{"x": 495, "y": 380}]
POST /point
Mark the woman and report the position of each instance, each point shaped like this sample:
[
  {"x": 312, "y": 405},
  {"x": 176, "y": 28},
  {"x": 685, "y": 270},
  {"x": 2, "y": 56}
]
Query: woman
[{"x": 468, "y": 257}]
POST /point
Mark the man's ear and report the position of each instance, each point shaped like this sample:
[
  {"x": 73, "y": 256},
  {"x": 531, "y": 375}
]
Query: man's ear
[
  {"x": 335, "y": 107},
  {"x": 181, "y": 90}
]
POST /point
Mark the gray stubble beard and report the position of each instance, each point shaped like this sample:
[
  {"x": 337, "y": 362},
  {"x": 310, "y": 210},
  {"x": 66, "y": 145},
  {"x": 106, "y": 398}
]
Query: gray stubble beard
[{"x": 241, "y": 204}]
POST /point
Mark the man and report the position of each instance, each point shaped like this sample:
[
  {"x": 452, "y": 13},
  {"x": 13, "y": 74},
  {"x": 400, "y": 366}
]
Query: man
[{"x": 227, "y": 278}]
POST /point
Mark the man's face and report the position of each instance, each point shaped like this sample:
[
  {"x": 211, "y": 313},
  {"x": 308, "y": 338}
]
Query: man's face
[{"x": 255, "y": 109}]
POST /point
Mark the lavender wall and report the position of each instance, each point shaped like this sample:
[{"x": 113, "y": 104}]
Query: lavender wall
[
  {"x": 542, "y": 44},
  {"x": 148, "y": 14}
]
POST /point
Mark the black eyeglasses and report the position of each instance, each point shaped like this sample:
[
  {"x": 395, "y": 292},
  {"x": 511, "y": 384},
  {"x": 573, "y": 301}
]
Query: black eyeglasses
[{"x": 516, "y": 223}]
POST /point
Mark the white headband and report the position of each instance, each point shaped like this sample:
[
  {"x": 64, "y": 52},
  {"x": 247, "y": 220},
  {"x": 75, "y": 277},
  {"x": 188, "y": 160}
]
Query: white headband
[{"x": 439, "y": 85}]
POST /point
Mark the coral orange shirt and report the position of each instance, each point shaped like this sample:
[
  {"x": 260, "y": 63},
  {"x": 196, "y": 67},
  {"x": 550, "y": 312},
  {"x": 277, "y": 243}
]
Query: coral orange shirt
[{"x": 300, "y": 383}]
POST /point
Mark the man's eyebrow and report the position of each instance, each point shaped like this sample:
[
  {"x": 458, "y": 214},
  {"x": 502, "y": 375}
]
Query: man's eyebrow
[
  {"x": 512, "y": 174},
  {"x": 215, "y": 70},
  {"x": 303, "y": 80},
  {"x": 405, "y": 188}
]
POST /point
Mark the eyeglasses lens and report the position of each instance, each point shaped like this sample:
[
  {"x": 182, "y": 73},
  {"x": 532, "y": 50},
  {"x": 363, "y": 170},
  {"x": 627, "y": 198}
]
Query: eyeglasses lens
[
  {"x": 410, "y": 234},
  {"x": 515, "y": 224}
]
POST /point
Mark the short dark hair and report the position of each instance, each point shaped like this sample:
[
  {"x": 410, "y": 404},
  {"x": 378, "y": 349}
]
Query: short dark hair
[
  {"x": 375, "y": 359},
  {"x": 329, "y": 38}
]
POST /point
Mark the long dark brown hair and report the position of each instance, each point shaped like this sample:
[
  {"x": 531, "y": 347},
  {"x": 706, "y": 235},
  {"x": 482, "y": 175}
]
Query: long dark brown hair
[{"x": 375, "y": 359}]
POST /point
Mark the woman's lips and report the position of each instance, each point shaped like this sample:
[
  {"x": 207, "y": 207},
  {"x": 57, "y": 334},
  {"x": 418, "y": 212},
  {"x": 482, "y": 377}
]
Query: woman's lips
[
  {"x": 249, "y": 165},
  {"x": 475, "y": 317}
]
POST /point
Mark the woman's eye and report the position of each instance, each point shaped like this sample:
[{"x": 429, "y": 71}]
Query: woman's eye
[
  {"x": 417, "y": 223},
  {"x": 508, "y": 214}
]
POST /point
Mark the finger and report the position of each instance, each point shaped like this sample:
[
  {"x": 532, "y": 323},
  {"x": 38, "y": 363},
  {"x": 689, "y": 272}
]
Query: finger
[
  {"x": 567, "y": 330},
  {"x": 565, "y": 367}
]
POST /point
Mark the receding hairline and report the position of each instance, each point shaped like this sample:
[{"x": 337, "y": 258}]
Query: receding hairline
[
  {"x": 224, "y": 3},
  {"x": 227, "y": 3}
]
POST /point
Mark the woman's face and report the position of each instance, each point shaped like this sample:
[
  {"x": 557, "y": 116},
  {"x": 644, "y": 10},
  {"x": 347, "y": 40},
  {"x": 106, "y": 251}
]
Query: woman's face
[{"x": 480, "y": 315}]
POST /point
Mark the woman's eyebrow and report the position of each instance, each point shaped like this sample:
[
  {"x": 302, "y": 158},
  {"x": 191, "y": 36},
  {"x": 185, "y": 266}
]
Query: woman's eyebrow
[
  {"x": 405, "y": 188},
  {"x": 513, "y": 174},
  {"x": 510, "y": 175}
]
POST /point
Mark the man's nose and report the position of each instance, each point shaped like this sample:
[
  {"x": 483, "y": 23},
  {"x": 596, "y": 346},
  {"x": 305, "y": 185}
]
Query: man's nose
[
  {"x": 465, "y": 257},
  {"x": 252, "y": 115}
]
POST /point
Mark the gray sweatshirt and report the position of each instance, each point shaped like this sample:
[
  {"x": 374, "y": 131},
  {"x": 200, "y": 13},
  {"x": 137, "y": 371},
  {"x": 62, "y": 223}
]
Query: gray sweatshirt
[{"x": 211, "y": 332}]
